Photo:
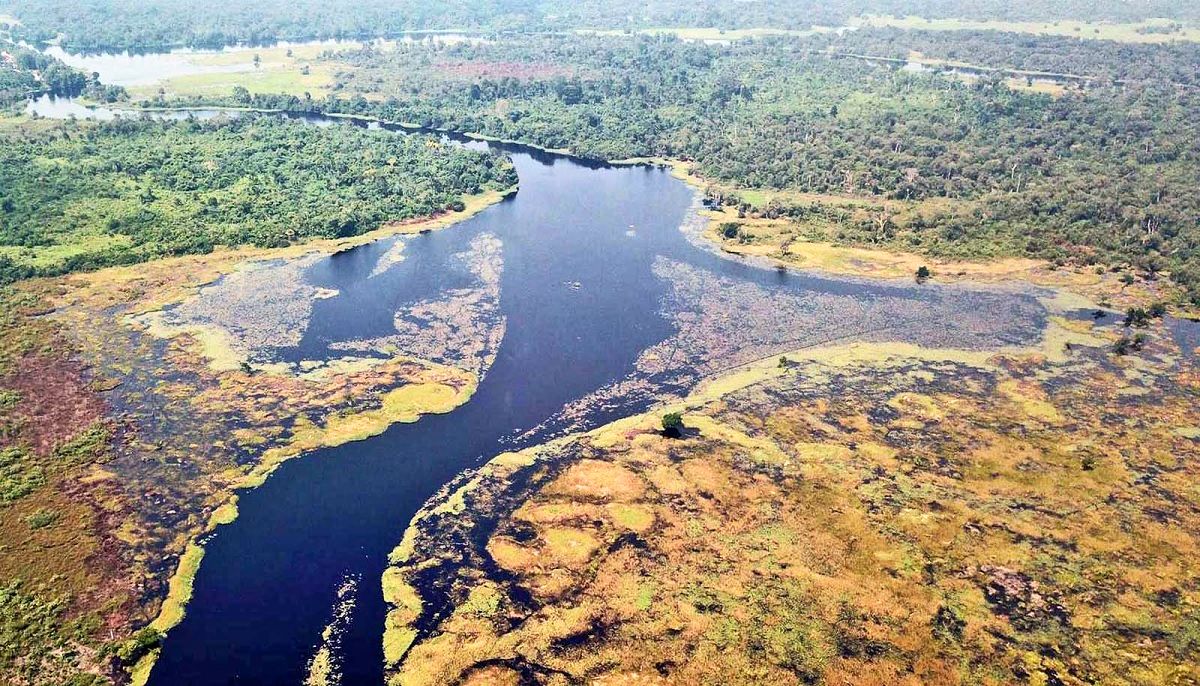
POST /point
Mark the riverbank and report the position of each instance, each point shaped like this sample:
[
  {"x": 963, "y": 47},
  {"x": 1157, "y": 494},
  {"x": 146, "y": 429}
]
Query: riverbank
[
  {"x": 1147, "y": 31},
  {"x": 792, "y": 244},
  {"x": 807, "y": 245},
  {"x": 435, "y": 389},
  {"x": 844, "y": 512},
  {"x": 164, "y": 432}
]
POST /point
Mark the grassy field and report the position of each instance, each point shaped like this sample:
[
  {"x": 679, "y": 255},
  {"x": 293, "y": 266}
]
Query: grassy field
[
  {"x": 292, "y": 71},
  {"x": 1127, "y": 32}
]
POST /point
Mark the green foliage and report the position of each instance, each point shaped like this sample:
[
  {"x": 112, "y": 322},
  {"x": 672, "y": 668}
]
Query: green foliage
[
  {"x": 1137, "y": 316},
  {"x": 120, "y": 24},
  {"x": 1043, "y": 54},
  {"x": 1127, "y": 344},
  {"x": 28, "y": 73},
  {"x": 923, "y": 273},
  {"x": 1141, "y": 317},
  {"x": 672, "y": 422},
  {"x": 730, "y": 229},
  {"x": 1185, "y": 640},
  {"x": 704, "y": 598},
  {"x": 140, "y": 644},
  {"x": 18, "y": 335},
  {"x": 88, "y": 444},
  {"x": 948, "y": 623},
  {"x": 20, "y": 475},
  {"x": 84, "y": 196},
  {"x": 41, "y": 519},
  {"x": 31, "y": 628},
  {"x": 1100, "y": 176}
]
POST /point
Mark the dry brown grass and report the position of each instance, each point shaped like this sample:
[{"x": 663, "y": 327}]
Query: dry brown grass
[{"x": 935, "y": 523}]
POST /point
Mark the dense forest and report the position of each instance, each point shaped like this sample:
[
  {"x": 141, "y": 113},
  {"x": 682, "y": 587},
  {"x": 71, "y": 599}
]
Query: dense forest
[
  {"x": 80, "y": 195},
  {"x": 26, "y": 73},
  {"x": 1096, "y": 59},
  {"x": 121, "y": 24},
  {"x": 1103, "y": 176}
]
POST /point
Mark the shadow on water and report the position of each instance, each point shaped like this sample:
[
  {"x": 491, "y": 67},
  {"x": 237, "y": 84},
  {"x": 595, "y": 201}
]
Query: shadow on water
[{"x": 583, "y": 294}]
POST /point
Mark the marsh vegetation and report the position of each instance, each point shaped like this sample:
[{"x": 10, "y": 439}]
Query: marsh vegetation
[{"x": 904, "y": 402}]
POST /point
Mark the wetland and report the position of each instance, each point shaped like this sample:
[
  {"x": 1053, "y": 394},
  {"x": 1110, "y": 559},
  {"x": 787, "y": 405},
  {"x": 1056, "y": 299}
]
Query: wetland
[
  {"x": 565, "y": 308},
  {"x": 426, "y": 407}
]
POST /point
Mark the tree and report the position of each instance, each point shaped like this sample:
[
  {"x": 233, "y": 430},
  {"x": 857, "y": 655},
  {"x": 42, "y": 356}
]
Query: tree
[
  {"x": 923, "y": 274},
  {"x": 672, "y": 424}
]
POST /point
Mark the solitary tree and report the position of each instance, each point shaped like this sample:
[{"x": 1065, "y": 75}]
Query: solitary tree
[
  {"x": 923, "y": 273},
  {"x": 672, "y": 424}
]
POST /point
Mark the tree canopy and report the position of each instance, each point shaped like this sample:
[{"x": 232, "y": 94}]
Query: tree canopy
[
  {"x": 84, "y": 195},
  {"x": 1103, "y": 172},
  {"x": 123, "y": 24}
]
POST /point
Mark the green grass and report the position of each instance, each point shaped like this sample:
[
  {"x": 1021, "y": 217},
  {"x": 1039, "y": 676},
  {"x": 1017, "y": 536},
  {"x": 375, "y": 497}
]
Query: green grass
[
  {"x": 288, "y": 80},
  {"x": 277, "y": 72},
  {"x": 46, "y": 256}
]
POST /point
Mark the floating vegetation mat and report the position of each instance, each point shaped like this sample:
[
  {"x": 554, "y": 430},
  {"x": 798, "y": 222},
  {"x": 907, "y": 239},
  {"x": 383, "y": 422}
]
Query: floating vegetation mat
[
  {"x": 722, "y": 323},
  {"x": 246, "y": 315},
  {"x": 853, "y": 514},
  {"x": 325, "y": 666},
  {"x": 462, "y": 327},
  {"x": 135, "y": 401},
  {"x": 183, "y": 355}
]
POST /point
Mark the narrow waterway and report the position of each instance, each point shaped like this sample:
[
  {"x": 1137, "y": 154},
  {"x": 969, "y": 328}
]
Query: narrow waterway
[{"x": 585, "y": 289}]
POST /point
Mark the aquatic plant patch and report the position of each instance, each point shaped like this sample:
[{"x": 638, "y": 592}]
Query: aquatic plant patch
[{"x": 842, "y": 519}]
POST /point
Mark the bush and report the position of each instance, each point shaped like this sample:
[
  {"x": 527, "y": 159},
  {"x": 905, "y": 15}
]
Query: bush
[
  {"x": 1127, "y": 344},
  {"x": 140, "y": 644},
  {"x": 41, "y": 519},
  {"x": 672, "y": 423}
]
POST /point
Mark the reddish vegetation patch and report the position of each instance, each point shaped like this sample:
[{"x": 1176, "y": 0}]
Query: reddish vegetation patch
[
  {"x": 499, "y": 70},
  {"x": 56, "y": 401}
]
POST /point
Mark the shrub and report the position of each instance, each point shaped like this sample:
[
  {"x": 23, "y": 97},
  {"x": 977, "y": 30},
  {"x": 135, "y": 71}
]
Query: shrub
[
  {"x": 139, "y": 645},
  {"x": 41, "y": 519},
  {"x": 672, "y": 423}
]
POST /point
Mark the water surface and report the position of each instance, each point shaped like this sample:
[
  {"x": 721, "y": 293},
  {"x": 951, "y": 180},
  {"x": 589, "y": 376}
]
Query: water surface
[{"x": 596, "y": 272}]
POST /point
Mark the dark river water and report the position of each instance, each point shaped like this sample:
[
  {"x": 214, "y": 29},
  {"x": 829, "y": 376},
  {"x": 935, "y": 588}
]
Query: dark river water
[{"x": 582, "y": 299}]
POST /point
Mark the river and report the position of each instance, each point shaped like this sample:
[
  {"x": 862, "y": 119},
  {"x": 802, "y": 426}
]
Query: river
[{"x": 593, "y": 260}]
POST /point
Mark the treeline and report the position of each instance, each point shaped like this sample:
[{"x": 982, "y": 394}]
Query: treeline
[
  {"x": 128, "y": 191},
  {"x": 143, "y": 24},
  {"x": 1097, "y": 59},
  {"x": 1106, "y": 176},
  {"x": 26, "y": 73}
]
